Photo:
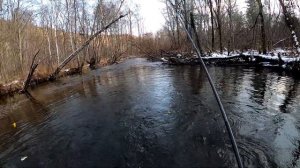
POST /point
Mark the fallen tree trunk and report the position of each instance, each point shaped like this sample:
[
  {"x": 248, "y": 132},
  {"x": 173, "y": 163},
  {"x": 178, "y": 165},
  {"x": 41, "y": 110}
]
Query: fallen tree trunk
[
  {"x": 30, "y": 74},
  {"x": 75, "y": 53},
  {"x": 289, "y": 64}
]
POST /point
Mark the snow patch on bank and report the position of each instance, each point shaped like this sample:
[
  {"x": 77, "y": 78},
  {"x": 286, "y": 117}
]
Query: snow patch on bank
[{"x": 284, "y": 54}]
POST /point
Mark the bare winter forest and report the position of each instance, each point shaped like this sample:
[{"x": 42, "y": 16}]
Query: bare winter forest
[
  {"x": 52, "y": 30},
  {"x": 206, "y": 83}
]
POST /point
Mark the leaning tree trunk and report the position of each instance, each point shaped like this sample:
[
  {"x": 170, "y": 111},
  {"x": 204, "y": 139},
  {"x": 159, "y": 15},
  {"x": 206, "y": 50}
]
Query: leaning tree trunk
[
  {"x": 262, "y": 27},
  {"x": 74, "y": 54},
  {"x": 290, "y": 23}
]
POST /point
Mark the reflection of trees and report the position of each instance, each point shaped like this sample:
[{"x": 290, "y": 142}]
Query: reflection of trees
[
  {"x": 6, "y": 125},
  {"x": 89, "y": 87},
  {"x": 37, "y": 105},
  {"x": 291, "y": 95},
  {"x": 228, "y": 81},
  {"x": 197, "y": 124},
  {"x": 81, "y": 89},
  {"x": 197, "y": 79},
  {"x": 235, "y": 79},
  {"x": 259, "y": 83},
  {"x": 268, "y": 90},
  {"x": 32, "y": 112}
]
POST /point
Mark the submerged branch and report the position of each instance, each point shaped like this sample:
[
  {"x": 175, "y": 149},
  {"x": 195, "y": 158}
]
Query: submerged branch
[{"x": 31, "y": 72}]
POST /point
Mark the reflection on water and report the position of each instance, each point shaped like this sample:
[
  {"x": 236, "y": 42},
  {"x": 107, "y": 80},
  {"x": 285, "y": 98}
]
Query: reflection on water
[{"x": 143, "y": 114}]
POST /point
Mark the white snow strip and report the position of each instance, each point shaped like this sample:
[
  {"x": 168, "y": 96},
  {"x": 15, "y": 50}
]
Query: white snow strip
[{"x": 286, "y": 59}]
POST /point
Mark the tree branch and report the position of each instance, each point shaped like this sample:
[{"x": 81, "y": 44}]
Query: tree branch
[{"x": 75, "y": 53}]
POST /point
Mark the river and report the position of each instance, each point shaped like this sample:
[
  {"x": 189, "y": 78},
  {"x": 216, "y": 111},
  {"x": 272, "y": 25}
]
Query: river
[{"x": 145, "y": 114}]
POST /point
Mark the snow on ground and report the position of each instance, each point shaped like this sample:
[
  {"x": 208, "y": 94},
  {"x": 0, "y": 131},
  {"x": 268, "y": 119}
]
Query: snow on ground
[
  {"x": 287, "y": 56},
  {"x": 273, "y": 55}
]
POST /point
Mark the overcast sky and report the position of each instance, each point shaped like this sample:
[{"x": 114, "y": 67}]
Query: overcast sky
[{"x": 151, "y": 11}]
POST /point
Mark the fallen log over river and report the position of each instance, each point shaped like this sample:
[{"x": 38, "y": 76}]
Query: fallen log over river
[{"x": 283, "y": 63}]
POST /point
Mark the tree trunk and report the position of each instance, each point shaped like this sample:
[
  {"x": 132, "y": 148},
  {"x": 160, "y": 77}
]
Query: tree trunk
[
  {"x": 194, "y": 29},
  {"x": 20, "y": 47},
  {"x": 49, "y": 44},
  {"x": 212, "y": 25},
  {"x": 262, "y": 28},
  {"x": 185, "y": 15},
  {"x": 290, "y": 23},
  {"x": 177, "y": 24},
  {"x": 56, "y": 44},
  {"x": 230, "y": 45},
  {"x": 218, "y": 14}
]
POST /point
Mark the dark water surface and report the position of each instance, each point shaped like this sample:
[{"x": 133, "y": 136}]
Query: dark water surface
[{"x": 144, "y": 114}]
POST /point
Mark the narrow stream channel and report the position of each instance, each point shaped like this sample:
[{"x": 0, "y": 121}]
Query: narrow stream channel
[{"x": 144, "y": 114}]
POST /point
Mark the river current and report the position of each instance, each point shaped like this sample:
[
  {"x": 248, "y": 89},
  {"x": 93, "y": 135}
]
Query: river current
[{"x": 145, "y": 114}]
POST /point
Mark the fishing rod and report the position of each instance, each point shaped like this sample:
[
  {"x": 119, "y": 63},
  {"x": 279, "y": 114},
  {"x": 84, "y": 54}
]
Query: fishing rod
[{"x": 224, "y": 115}]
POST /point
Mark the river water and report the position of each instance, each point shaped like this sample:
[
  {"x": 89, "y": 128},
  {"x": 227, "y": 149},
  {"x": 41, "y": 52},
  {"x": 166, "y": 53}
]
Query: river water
[{"x": 144, "y": 114}]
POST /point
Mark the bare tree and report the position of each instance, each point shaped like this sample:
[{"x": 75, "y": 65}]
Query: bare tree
[
  {"x": 219, "y": 22},
  {"x": 231, "y": 38},
  {"x": 212, "y": 24},
  {"x": 290, "y": 23},
  {"x": 262, "y": 27},
  {"x": 86, "y": 44}
]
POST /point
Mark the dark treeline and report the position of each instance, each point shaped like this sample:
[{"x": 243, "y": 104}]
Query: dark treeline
[{"x": 223, "y": 26}]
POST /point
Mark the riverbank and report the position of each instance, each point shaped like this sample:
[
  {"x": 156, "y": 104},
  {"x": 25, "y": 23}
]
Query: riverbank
[
  {"x": 16, "y": 86},
  {"x": 279, "y": 61}
]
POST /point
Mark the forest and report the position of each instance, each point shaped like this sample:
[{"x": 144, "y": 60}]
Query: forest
[
  {"x": 52, "y": 30},
  {"x": 224, "y": 26},
  {"x": 90, "y": 83}
]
